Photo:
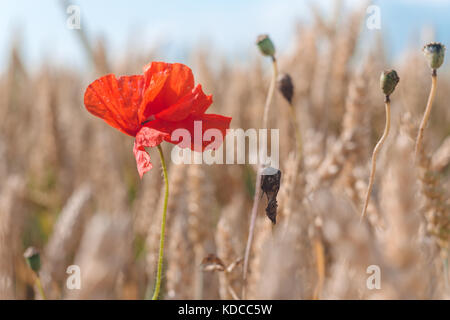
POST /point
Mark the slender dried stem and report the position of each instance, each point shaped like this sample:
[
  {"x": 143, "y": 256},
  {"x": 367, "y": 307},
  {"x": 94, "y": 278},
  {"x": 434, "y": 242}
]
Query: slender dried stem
[
  {"x": 320, "y": 265},
  {"x": 163, "y": 226},
  {"x": 298, "y": 135},
  {"x": 426, "y": 115},
  {"x": 270, "y": 92},
  {"x": 258, "y": 181},
  {"x": 230, "y": 288},
  {"x": 375, "y": 153}
]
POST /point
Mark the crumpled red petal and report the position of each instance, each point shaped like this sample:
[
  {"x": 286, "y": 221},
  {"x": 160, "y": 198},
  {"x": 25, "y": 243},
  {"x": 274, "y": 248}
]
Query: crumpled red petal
[
  {"x": 116, "y": 101},
  {"x": 196, "y": 103},
  {"x": 146, "y": 137},
  {"x": 154, "y": 83},
  {"x": 208, "y": 121},
  {"x": 179, "y": 82}
]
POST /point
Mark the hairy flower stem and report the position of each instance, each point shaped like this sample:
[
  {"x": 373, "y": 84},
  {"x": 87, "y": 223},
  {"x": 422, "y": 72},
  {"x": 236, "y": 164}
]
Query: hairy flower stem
[
  {"x": 257, "y": 196},
  {"x": 163, "y": 226},
  {"x": 40, "y": 288},
  {"x": 375, "y": 153},
  {"x": 426, "y": 115}
]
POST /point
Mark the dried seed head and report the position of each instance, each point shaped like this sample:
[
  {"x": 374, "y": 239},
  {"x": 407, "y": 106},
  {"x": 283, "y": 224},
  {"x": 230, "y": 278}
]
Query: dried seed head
[
  {"x": 265, "y": 45},
  {"x": 212, "y": 263},
  {"x": 271, "y": 210},
  {"x": 33, "y": 259},
  {"x": 434, "y": 53},
  {"x": 270, "y": 185},
  {"x": 285, "y": 86},
  {"x": 388, "y": 81}
]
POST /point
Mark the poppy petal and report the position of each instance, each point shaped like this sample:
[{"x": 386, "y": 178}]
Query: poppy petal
[
  {"x": 116, "y": 101},
  {"x": 154, "y": 83},
  {"x": 193, "y": 123},
  {"x": 195, "y": 103},
  {"x": 179, "y": 82},
  {"x": 146, "y": 137}
]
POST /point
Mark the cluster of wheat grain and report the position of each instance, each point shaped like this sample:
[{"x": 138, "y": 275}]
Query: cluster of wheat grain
[{"x": 70, "y": 186}]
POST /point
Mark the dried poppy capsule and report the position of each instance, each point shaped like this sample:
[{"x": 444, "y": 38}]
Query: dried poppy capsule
[
  {"x": 434, "y": 53},
  {"x": 285, "y": 86},
  {"x": 388, "y": 81},
  {"x": 265, "y": 45},
  {"x": 33, "y": 259},
  {"x": 270, "y": 184}
]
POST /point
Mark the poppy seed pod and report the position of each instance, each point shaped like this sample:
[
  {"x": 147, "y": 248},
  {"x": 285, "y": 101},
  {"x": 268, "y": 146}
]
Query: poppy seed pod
[
  {"x": 285, "y": 86},
  {"x": 388, "y": 81},
  {"x": 434, "y": 53},
  {"x": 33, "y": 259},
  {"x": 270, "y": 185},
  {"x": 265, "y": 45}
]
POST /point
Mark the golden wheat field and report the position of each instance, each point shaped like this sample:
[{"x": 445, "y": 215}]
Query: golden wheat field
[{"x": 70, "y": 187}]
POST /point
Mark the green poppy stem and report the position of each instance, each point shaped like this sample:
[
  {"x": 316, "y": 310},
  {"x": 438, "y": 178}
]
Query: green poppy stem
[
  {"x": 163, "y": 226},
  {"x": 40, "y": 288}
]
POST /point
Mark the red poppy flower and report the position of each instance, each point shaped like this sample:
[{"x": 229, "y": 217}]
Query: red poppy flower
[{"x": 151, "y": 106}]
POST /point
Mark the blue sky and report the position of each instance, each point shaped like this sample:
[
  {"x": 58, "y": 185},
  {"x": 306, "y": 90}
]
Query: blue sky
[{"x": 226, "y": 25}]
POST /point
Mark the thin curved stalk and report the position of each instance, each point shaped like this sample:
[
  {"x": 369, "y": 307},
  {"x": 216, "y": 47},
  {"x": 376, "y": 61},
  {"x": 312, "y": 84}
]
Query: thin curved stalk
[
  {"x": 375, "y": 153},
  {"x": 257, "y": 196},
  {"x": 426, "y": 115},
  {"x": 163, "y": 226}
]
